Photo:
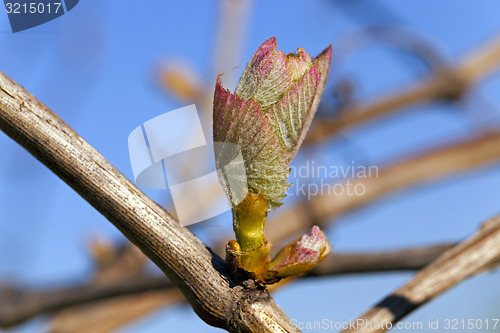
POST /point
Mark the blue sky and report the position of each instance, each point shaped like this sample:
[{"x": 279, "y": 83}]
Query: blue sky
[{"x": 96, "y": 67}]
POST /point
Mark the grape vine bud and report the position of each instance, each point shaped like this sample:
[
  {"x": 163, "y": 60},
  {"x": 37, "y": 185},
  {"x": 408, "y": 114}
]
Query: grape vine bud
[{"x": 301, "y": 255}]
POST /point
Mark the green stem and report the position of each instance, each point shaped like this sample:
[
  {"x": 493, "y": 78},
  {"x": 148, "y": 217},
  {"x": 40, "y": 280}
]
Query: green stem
[{"x": 249, "y": 221}]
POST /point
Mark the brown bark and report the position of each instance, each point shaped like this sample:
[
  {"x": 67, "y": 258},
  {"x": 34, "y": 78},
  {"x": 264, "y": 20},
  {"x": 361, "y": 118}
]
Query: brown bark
[{"x": 198, "y": 272}]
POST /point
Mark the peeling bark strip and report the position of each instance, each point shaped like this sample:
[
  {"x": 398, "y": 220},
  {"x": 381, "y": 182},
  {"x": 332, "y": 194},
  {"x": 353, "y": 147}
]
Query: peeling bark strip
[{"x": 200, "y": 274}]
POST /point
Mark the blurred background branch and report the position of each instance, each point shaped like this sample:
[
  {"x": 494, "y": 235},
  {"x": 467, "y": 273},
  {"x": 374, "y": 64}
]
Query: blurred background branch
[
  {"x": 447, "y": 83},
  {"x": 452, "y": 159},
  {"x": 18, "y": 305},
  {"x": 471, "y": 256}
]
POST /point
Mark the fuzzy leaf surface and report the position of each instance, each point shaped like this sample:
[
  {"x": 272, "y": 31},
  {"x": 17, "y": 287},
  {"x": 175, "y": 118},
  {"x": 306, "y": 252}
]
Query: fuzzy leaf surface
[{"x": 243, "y": 123}]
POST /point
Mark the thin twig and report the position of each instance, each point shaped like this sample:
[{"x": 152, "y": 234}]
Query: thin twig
[
  {"x": 409, "y": 259},
  {"x": 111, "y": 314},
  {"x": 18, "y": 305},
  {"x": 451, "y": 268}
]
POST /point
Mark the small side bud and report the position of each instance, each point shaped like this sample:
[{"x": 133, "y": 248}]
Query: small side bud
[{"x": 300, "y": 255}]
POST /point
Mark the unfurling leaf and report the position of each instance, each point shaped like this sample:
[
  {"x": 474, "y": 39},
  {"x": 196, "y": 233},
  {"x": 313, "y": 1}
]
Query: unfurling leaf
[
  {"x": 242, "y": 123},
  {"x": 269, "y": 114}
]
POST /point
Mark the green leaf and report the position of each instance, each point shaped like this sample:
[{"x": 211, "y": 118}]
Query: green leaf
[
  {"x": 289, "y": 115},
  {"x": 268, "y": 75},
  {"x": 269, "y": 114},
  {"x": 244, "y": 124},
  {"x": 288, "y": 89}
]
